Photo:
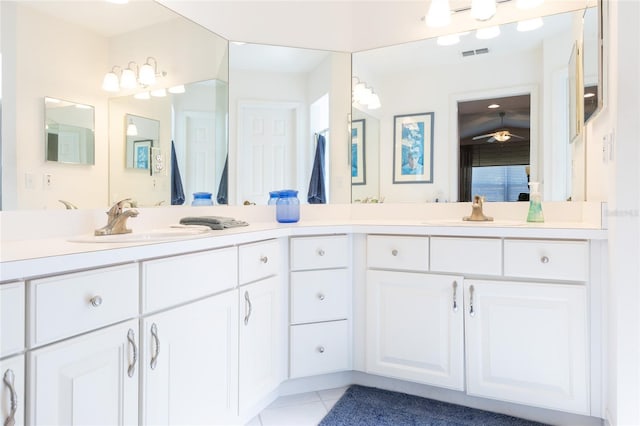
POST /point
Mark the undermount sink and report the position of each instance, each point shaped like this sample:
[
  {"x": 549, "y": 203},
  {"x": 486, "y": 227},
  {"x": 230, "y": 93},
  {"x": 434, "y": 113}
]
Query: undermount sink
[
  {"x": 457, "y": 222},
  {"x": 154, "y": 235}
]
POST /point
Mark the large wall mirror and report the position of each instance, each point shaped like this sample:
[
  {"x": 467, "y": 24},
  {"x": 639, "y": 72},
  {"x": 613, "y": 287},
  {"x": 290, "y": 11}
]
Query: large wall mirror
[
  {"x": 426, "y": 76},
  {"x": 69, "y": 131},
  {"x": 188, "y": 101}
]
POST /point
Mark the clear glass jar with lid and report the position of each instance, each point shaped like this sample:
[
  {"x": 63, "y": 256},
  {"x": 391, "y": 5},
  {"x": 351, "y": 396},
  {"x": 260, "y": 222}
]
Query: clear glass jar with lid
[
  {"x": 288, "y": 206},
  {"x": 202, "y": 199}
]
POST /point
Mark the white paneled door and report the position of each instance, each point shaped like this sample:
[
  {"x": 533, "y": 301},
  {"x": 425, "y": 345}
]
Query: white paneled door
[{"x": 267, "y": 151}]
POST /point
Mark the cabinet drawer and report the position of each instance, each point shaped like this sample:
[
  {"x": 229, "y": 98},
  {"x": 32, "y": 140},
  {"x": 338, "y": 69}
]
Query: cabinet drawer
[
  {"x": 258, "y": 260},
  {"x": 319, "y": 348},
  {"x": 557, "y": 260},
  {"x": 65, "y": 305},
  {"x": 481, "y": 256},
  {"x": 398, "y": 252},
  {"x": 11, "y": 318},
  {"x": 319, "y": 295},
  {"x": 179, "y": 279},
  {"x": 319, "y": 252}
]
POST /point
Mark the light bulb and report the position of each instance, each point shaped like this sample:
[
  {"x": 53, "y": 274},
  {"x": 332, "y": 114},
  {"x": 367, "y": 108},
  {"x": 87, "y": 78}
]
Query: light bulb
[
  {"x": 439, "y": 14},
  {"x": 147, "y": 75},
  {"x": 483, "y": 9},
  {"x": 128, "y": 79},
  {"x": 110, "y": 82},
  {"x": 132, "y": 129}
]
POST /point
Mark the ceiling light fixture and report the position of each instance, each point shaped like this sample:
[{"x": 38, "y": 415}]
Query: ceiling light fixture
[
  {"x": 439, "y": 14},
  {"x": 530, "y": 24},
  {"x": 488, "y": 32},
  {"x": 483, "y": 10},
  {"x": 493, "y": 106}
]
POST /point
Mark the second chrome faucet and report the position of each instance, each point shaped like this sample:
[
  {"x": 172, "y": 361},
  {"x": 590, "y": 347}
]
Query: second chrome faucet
[{"x": 117, "y": 218}]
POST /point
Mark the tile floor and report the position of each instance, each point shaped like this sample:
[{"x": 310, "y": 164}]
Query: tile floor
[{"x": 304, "y": 409}]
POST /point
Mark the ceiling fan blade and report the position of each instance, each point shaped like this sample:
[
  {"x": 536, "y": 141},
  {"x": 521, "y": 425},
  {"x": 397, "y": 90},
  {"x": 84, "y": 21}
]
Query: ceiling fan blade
[
  {"x": 516, "y": 136},
  {"x": 483, "y": 136},
  {"x": 491, "y": 139}
]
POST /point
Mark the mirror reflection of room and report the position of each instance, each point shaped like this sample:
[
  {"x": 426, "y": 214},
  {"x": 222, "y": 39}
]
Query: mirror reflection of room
[{"x": 69, "y": 132}]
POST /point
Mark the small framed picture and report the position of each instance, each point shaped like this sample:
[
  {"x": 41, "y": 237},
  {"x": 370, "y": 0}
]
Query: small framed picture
[
  {"x": 142, "y": 153},
  {"x": 358, "y": 165},
  {"x": 413, "y": 148}
]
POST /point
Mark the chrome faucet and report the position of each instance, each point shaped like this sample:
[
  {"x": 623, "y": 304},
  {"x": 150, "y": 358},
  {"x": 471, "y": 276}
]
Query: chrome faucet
[
  {"x": 117, "y": 218},
  {"x": 477, "y": 215}
]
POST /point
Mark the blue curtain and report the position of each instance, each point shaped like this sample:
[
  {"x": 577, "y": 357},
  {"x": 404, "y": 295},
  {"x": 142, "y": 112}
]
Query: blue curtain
[
  {"x": 316, "y": 194},
  {"x": 177, "y": 191}
]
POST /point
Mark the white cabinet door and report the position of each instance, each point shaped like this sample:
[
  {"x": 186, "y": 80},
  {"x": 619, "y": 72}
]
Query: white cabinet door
[
  {"x": 12, "y": 381},
  {"x": 261, "y": 340},
  {"x": 415, "y": 327},
  {"x": 91, "y": 379},
  {"x": 527, "y": 343},
  {"x": 190, "y": 363}
]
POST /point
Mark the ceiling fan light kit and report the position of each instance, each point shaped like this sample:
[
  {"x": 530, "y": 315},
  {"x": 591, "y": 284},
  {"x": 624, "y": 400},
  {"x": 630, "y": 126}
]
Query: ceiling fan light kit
[{"x": 502, "y": 135}]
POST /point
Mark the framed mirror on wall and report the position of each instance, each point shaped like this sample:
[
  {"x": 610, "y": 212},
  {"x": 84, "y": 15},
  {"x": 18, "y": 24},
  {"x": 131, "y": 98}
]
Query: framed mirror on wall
[
  {"x": 141, "y": 135},
  {"x": 69, "y": 131}
]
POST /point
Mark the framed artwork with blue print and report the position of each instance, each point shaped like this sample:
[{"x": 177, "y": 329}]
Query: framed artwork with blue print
[{"x": 413, "y": 148}]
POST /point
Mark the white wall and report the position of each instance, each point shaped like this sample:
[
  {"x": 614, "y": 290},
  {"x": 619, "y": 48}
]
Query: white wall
[{"x": 57, "y": 60}]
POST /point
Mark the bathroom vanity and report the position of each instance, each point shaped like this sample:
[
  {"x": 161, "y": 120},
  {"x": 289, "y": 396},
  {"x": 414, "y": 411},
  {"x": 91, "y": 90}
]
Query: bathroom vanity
[{"x": 211, "y": 328}]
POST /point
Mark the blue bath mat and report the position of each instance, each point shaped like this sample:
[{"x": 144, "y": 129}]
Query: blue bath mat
[{"x": 362, "y": 405}]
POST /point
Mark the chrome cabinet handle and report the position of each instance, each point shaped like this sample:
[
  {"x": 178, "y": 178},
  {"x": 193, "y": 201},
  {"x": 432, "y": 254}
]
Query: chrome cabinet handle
[
  {"x": 544, "y": 259},
  {"x": 394, "y": 252},
  {"x": 156, "y": 352},
  {"x": 9, "y": 379},
  {"x": 247, "y": 308},
  {"x": 471, "y": 311},
  {"x": 455, "y": 296},
  {"x": 320, "y": 252},
  {"x": 321, "y": 349},
  {"x": 96, "y": 301},
  {"x": 321, "y": 296},
  {"x": 264, "y": 259},
  {"x": 131, "y": 337}
]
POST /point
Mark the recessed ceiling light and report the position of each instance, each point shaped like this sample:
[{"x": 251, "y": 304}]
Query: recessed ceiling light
[
  {"x": 589, "y": 95},
  {"x": 493, "y": 106}
]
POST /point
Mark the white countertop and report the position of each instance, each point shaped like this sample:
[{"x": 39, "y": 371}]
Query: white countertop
[{"x": 35, "y": 257}]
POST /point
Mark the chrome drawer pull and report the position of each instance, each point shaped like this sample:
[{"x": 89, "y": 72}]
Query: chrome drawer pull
[
  {"x": 156, "y": 339},
  {"x": 264, "y": 259},
  {"x": 394, "y": 252},
  {"x": 247, "y": 308},
  {"x": 544, "y": 259},
  {"x": 320, "y": 252},
  {"x": 455, "y": 296},
  {"x": 96, "y": 301},
  {"x": 321, "y": 296},
  {"x": 471, "y": 311},
  {"x": 9, "y": 380},
  {"x": 321, "y": 349},
  {"x": 131, "y": 337}
]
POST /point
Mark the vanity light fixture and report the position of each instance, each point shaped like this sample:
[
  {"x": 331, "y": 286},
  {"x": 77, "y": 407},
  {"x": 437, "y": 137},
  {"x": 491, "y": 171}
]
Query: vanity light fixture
[
  {"x": 483, "y": 10},
  {"x": 488, "y": 32},
  {"x": 439, "y": 14},
  {"x": 448, "y": 40},
  {"x": 132, "y": 129},
  {"x": 530, "y": 24},
  {"x": 132, "y": 76},
  {"x": 159, "y": 93},
  {"x": 176, "y": 89},
  {"x": 364, "y": 95}
]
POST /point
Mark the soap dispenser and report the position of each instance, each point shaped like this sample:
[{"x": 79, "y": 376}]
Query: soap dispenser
[{"x": 535, "y": 203}]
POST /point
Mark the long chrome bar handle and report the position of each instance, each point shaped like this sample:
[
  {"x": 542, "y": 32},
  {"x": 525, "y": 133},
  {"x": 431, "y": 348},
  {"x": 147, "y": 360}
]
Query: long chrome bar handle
[
  {"x": 247, "y": 308},
  {"x": 131, "y": 337},
  {"x": 156, "y": 352},
  {"x": 471, "y": 311},
  {"x": 9, "y": 379},
  {"x": 455, "y": 296}
]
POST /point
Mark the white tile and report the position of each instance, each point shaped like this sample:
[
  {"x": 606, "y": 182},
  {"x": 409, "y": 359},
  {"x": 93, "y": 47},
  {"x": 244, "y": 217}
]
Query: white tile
[
  {"x": 296, "y": 399},
  {"x": 294, "y": 415},
  {"x": 329, "y": 403},
  {"x": 331, "y": 394},
  {"x": 255, "y": 422}
]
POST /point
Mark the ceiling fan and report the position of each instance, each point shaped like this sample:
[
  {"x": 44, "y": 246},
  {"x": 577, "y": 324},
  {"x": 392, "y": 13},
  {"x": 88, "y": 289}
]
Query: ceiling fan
[{"x": 499, "y": 135}]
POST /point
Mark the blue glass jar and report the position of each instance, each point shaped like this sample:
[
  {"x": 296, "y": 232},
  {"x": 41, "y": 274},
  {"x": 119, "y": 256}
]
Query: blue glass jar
[
  {"x": 288, "y": 206},
  {"x": 202, "y": 199},
  {"x": 273, "y": 197}
]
